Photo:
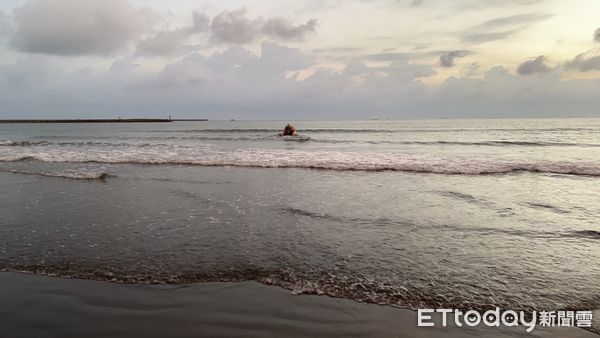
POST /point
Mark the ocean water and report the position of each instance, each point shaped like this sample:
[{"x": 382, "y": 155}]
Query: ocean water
[{"x": 443, "y": 213}]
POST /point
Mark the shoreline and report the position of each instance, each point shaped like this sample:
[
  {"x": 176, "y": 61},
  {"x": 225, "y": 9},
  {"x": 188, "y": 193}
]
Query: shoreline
[{"x": 35, "y": 305}]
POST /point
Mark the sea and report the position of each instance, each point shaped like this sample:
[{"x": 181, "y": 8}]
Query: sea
[{"x": 467, "y": 214}]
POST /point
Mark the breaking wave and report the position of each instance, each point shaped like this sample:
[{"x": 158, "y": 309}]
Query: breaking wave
[
  {"x": 369, "y": 130},
  {"x": 468, "y": 143},
  {"x": 6, "y": 143},
  {"x": 143, "y": 141},
  {"x": 324, "y": 160},
  {"x": 9, "y": 143}
]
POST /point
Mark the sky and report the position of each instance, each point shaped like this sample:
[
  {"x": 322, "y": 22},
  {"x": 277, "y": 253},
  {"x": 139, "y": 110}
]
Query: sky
[{"x": 301, "y": 59}]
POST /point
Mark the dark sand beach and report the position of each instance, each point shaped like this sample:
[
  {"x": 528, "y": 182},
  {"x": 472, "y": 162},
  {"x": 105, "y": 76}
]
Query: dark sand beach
[{"x": 39, "y": 306}]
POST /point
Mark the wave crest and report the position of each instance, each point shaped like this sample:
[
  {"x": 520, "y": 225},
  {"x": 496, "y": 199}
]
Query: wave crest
[{"x": 323, "y": 160}]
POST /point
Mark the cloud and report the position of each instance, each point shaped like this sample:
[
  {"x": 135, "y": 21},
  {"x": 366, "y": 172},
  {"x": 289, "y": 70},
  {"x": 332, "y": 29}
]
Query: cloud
[
  {"x": 239, "y": 83},
  {"x": 281, "y": 58},
  {"x": 447, "y": 59},
  {"x": 470, "y": 70},
  {"x": 236, "y": 66},
  {"x": 584, "y": 62},
  {"x": 597, "y": 35},
  {"x": 486, "y": 4},
  {"x": 278, "y": 81},
  {"x": 4, "y": 25},
  {"x": 121, "y": 65},
  {"x": 338, "y": 50},
  {"x": 282, "y": 29},
  {"x": 234, "y": 81},
  {"x": 486, "y": 37},
  {"x": 515, "y": 20},
  {"x": 534, "y": 66},
  {"x": 76, "y": 27},
  {"x": 228, "y": 27},
  {"x": 402, "y": 71},
  {"x": 234, "y": 27},
  {"x": 502, "y": 28},
  {"x": 416, "y": 3},
  {"x": 386, "y": 56},
  {"x": 356, "y": 67},
  {"x": 167, "y": 42}
]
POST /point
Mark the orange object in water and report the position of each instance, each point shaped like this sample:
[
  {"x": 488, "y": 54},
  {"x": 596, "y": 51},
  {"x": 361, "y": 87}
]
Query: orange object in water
[{"x": 289, "y": 130}]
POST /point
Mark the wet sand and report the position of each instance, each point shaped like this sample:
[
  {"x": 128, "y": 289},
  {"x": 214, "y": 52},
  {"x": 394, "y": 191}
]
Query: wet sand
[{"x": 39, "y": 306}]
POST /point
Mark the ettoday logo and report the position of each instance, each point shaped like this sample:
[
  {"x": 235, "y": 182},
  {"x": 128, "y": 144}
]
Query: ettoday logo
[{"x": 498, "y": 317}]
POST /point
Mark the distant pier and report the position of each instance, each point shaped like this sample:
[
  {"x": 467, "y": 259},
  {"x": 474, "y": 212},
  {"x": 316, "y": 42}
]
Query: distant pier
[{"x": 143, "y": 120}]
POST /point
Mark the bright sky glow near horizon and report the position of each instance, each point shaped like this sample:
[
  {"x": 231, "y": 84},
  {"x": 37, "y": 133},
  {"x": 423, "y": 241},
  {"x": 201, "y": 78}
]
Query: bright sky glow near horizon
[{"x": 306, "y": 59}]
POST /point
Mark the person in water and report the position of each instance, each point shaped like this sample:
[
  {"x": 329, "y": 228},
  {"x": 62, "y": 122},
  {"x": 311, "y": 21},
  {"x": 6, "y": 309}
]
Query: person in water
[{"x": 289, "y": 130}]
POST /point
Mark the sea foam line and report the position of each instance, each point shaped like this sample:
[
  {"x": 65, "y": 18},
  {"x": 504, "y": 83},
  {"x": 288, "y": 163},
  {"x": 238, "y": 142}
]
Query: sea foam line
[{"x": 325, "y": 160}]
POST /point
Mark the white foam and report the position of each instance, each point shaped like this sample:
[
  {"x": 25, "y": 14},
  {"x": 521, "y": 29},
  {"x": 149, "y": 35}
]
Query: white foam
[{"x": 282, "y": 158}]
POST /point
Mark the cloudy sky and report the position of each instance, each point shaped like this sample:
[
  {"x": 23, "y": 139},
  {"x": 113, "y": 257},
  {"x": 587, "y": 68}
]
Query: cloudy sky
[{"x": 301, "y": 59}]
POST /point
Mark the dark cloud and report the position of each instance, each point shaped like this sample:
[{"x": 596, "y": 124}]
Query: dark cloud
[
  {"x": 76, "y": 27},
  {"x": 229, "y": 27},
  {"x": 283, "y": 29},
  {"x": 447, "y": 59},
  {"x": 597, "y": 35},
  {"x": 584, "y": 62},
  {"x": 534, "y": 66},
  {"x": 171, "y": 41},
  {"x": 235, "y": 27}
]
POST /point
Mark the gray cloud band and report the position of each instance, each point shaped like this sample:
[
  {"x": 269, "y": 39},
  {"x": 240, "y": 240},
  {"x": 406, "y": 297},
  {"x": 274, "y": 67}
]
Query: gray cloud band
[{"x": 108, "y": 26}]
